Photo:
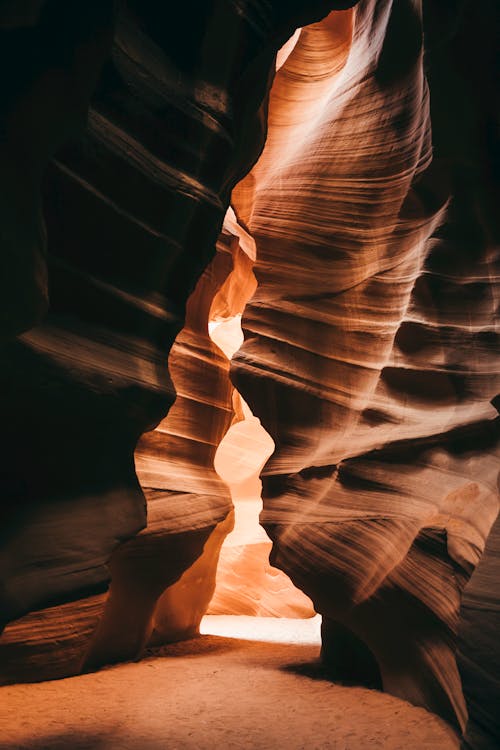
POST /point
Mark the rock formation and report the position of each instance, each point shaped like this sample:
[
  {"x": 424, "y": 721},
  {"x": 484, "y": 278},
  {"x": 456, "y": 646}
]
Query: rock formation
[
  {"x": 371, "y": 344},
  {"x": 366, "y": 233},
  {"x": 132, "y": 215}
]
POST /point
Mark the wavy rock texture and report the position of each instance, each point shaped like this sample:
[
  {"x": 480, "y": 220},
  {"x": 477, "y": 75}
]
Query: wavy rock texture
[
  {"x": 50, "y": 643},
  {"x": 51, "y": 55},
  {"x": 479, "y": 658},
  {"x": 133, "y": 214},
  {"x": 246, "y": 583},
  {"x": 371, "y": 345},
  {"x": 466, "y": 95},
  {"x": 371, "y": 342}
]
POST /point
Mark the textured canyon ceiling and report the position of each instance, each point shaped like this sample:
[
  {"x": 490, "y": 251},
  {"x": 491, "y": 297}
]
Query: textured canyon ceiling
[{"x": 324, "y": 173}]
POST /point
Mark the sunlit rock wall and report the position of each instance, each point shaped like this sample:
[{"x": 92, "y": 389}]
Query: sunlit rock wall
[{"x": 371, "y": 344}]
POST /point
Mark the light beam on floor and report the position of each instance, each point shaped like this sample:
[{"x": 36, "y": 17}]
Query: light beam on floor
[{"x": 264, "y": 629}]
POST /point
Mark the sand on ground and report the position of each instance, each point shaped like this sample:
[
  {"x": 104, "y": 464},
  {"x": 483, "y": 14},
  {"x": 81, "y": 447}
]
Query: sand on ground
[{"x": 261, "y": 690}]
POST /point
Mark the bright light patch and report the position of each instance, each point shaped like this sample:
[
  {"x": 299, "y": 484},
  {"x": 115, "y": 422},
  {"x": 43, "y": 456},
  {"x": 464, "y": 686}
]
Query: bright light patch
[{"x": 264, "y": 629}]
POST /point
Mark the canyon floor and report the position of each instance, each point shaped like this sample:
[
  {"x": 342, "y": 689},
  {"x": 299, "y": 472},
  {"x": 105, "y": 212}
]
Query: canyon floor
[{"x": 246, "y": 683}]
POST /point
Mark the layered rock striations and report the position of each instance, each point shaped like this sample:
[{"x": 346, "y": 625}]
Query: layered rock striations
[
  {"x": 464, "y": 121},
  {"x": 371, "y": 341},
  {"x": 478, "y": 656},
  {"x": 132, "y": 215},
  {"x": 371, "y": 347}
]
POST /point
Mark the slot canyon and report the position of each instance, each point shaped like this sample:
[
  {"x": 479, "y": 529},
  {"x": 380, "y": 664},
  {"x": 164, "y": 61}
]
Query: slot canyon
[{"x": 249, "y": 321}]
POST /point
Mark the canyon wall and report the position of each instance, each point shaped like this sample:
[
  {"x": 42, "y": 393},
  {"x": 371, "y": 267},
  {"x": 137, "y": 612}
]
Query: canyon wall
[
  {"x": 131, "y": 213},
  {"x": 371, "y": 344},
  {"x": 366, "y": 233}
]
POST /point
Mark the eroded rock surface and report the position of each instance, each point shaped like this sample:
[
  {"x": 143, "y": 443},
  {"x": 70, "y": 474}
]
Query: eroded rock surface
[
  {"x": 132, "y": 215},
  {"x": 371, "y": 344}
]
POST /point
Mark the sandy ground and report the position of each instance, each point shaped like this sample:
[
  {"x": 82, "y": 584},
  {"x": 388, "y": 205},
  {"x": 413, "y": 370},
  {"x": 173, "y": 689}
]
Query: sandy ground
[{"x": 252, "y": 691}]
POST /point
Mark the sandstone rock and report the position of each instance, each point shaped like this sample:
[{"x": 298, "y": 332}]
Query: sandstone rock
[
  {"x": 370, "y": 351},
  {"x": 371, "y": 342},
  {"x": 51, "y": 55},
  {"x": 50, "y": 643},
  {"x": 133, "y": 212},
  {"x": 478, "y": 657}
]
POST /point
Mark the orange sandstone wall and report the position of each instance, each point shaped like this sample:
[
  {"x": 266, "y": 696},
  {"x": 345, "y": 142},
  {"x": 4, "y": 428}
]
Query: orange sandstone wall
[{"x": 371, "y": 341}]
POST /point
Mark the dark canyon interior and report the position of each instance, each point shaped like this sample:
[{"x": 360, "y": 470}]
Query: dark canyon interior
[{"x": 250, "y": 242}]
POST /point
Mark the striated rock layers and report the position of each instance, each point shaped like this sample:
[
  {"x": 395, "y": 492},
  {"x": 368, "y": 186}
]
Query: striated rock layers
[
  {"x": 371, "y": 344},
  {"x": 132, "y": 214}
]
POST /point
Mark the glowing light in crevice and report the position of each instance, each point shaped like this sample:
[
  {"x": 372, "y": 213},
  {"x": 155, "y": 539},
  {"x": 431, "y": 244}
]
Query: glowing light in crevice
[
  {"x": 243, "y": 451},
  {"x": 264, "y": 629},
  {"x": 246, "y": 583}
]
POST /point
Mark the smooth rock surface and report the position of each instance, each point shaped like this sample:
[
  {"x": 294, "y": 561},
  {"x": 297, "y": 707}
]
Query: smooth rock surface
[
  {"x": 131, "y": 212},
  {"x": 371, "y": 345}
]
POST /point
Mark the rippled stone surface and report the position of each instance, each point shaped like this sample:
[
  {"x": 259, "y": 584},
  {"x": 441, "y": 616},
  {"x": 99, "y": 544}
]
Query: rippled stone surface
[
  {"x": 132, "y": 213},
  {"x": 371, "y": 344}
]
